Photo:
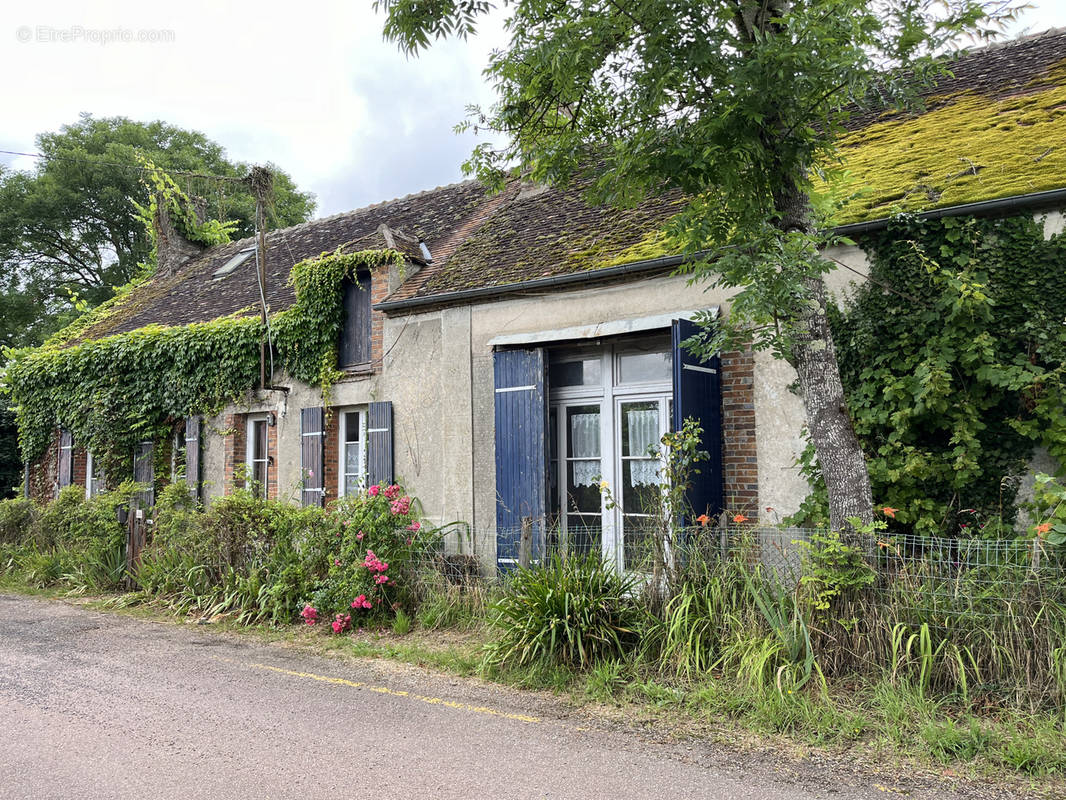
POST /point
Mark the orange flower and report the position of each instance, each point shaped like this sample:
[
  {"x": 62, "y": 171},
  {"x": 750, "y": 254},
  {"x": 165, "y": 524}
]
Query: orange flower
[
  {"x": 1042, "y": 529},
  {"x": 703, "y": 519},
  {"x": 740, "y": 518},
  {"x": 888, "y": 511}
]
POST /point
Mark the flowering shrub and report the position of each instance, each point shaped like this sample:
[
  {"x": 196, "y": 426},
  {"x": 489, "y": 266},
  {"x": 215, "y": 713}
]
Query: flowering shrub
[{"x": 371, "y": 569}]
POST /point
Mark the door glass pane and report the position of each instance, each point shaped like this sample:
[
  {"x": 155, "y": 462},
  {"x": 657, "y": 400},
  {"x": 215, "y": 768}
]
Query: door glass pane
[
  {"x": 640, "y": 428},
  {"x": 640, "y": 486},
  {"x": 638, "y": 551},
  {"x": 584, "y": 533},
  {"x": 644, "y": 368},
  {"x": 583, "y": 428},
  {"x": 351, "y": 426}
]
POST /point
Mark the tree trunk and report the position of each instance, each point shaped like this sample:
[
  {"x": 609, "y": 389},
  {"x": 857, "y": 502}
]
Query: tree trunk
[{"x": 840, "y": 456}]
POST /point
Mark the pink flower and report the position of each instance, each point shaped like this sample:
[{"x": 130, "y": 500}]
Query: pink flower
[
  {"x": 341, "y": 623},
  {"x": 309, "y": 614},
  {"x": 381, "y": 579},
  {"x": 359, "y": 536},
  {"x": 361, "y": 602},
  {"x": 414, "y": 526},
  {"x": 401, "y": 505},
  {"x": 373, "y": 491},
  {"x": 336, "y": 562},
  {"x": 310, "y": 473},
  {"x": 392, "y": 491}
]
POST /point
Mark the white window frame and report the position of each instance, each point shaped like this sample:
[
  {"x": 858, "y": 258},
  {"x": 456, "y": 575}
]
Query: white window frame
[
  {"x": 90, "y": 468},
  {"x": 249, "y": 449},
  {"x": 342, "y": 448},
  {"x": 609, "y": 394}
]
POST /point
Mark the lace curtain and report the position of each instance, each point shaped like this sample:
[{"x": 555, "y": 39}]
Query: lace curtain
[
  {"x": 585, "y": 443},
  {"x": 643, "y": 428}
]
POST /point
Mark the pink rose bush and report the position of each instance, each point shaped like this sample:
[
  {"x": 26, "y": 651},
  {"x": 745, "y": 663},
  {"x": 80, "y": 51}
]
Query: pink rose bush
[{"x": 369, "y": 567}]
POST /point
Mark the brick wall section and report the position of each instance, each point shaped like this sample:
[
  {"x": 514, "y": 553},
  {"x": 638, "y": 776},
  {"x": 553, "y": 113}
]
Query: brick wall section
[
  {"x": 272, "y": 463},
  {"x": 80, "y": 464},
  {"x": 379, "y": 292},
  {"x": 236, "y": 453},
  {"x": 738, "y": 432},
  {"x": 331, "y": 454}
]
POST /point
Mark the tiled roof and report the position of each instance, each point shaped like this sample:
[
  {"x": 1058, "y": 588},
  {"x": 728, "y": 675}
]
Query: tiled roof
[{"x": 997, "y": 128}]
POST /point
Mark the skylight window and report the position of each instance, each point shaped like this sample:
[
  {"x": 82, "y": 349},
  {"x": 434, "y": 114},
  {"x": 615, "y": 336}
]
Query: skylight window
[{"x": 233, "y": 263}]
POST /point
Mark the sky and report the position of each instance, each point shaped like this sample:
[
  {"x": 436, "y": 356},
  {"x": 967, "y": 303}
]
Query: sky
[{"x": 319, "y": 93}]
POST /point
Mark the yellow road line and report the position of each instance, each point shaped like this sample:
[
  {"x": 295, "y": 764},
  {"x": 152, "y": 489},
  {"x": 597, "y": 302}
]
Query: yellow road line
[{"x": 421, "y": 698}]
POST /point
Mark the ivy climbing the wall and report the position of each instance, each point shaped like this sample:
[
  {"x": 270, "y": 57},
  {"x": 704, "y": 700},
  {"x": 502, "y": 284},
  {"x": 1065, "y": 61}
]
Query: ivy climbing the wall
[
  {"x": 953, "y": 358},
  {"x": 116, "y": 391}
]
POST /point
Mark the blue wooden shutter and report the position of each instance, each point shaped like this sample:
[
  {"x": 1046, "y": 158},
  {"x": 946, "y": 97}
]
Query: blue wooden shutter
[
  {"x": 521, "y": 450},
  {"x": 698, "y": 394},
  {"x": 379, "y": 443},
  {"x": 66, "y": 458},
  {"x": 192, "y": 456},
  {"x": 312, "y": 461}
]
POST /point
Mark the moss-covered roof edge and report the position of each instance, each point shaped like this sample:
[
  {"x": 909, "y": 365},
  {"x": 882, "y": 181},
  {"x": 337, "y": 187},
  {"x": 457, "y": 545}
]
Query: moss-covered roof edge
[{"x": 1034, "y": 201}]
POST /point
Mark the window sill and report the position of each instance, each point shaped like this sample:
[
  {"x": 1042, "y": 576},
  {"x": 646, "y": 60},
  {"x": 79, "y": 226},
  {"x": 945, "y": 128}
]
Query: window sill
[{"x": 355, "y": 371}]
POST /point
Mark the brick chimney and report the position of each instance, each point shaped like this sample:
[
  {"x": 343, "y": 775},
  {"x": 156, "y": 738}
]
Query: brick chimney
[{"x": 172, "y": 249}]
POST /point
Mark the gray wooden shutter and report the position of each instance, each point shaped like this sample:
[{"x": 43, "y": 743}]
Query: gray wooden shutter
[
  {"x": 354, "y": 346},
  {"x": 144, "y": 470},
  {"x": 521, "y": 451},
  {"x": 66, "y": 458},
  {"x": 379, "y": 444},
  {"x": 192, "y": 456},
  {"x": 312, "y": 462}
]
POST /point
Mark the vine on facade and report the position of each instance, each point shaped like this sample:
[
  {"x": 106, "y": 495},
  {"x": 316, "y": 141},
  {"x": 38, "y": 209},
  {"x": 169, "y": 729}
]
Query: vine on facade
[{"x": 953, "y": 358}]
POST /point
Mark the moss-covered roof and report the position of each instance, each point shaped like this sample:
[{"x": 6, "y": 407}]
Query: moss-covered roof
[{"x": 995, "y": 129}]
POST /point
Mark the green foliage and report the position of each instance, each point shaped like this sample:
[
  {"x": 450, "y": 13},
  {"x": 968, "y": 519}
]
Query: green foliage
[
  {"x": 265, "y": 560},
  {"x": 571, "y": 611},
  {"x": 955, "y": 373},
  {"x": 1049, "y": 505},
  {"x": 68, "y": 227},
  {"x": 375, "y": 557},
  {"x": 129, "y": 387},
  {"x": 180, "y": 209},
  {"x": 17, "y": 518},
  {"x": 835, "y": 573}
]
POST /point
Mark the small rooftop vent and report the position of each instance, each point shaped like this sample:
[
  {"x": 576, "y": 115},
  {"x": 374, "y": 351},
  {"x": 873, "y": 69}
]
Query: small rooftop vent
[{"x": 233, "y": 263}]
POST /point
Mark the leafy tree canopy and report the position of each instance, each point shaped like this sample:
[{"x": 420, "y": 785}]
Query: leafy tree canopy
[
  {"x": 69, "y": 227},
  {"x": 735, "y": 102}
]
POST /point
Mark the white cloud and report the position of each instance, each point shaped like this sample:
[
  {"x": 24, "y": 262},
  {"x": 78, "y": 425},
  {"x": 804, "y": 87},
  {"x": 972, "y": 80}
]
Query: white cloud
[{"x": 311, "y": 87}]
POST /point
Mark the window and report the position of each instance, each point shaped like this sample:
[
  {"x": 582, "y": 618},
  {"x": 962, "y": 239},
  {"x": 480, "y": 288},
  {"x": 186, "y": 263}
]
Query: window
[
  {"x": 65, "y": 471},
  {"x": 94, "y": 476},
  {"x": 257, "y": 453},
  {"x": 352, "y": 452},
  {"x": 233, "y": 263},
  {"x": 608, "y": 411},
  {"x": 354, "y": 347},
  {"x": 567, "y": 418}
]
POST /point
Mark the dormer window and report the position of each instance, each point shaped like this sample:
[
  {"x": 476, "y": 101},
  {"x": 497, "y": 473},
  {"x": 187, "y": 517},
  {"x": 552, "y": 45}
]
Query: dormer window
[{"x": 354, "y": 347}]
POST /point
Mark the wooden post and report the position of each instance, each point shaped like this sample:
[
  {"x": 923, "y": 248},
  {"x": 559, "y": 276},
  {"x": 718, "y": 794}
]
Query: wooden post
[
  {"x": 262, "y": 184},
  {"x": 525, "y": 544}
]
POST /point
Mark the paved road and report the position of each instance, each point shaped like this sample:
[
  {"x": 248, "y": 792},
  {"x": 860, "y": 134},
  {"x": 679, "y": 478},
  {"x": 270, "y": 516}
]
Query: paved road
[{"x": 99, "y": 706}]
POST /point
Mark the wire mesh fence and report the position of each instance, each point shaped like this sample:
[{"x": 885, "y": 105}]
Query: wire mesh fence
[{"x": 947, "y": 581}]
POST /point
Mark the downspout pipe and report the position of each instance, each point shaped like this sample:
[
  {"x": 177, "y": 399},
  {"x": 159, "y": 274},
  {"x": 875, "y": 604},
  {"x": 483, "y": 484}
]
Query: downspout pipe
[{"x": 1004, "y": 205}]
